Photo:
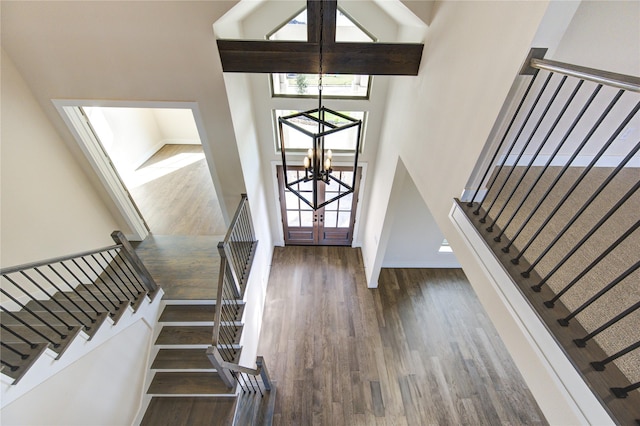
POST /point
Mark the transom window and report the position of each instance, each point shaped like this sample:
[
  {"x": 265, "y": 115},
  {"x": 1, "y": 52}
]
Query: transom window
[{"x": 333, "y": 85}]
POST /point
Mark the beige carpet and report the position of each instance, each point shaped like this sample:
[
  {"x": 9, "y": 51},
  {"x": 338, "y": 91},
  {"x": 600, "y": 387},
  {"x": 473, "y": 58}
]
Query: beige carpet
[{"x": 627, "y": 292}]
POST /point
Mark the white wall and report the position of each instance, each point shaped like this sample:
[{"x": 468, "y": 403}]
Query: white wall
[
  {"x": 415, "y": 238},
  {"x": 49, "y": 208},
  {"x": 603, "y": 35},
  {"x": 152, "y": 51},
  {"x": 436, "y": 125},
  {"x": 130, "y": 137},
  {"x": 177, "y": 126},
  {"x": 101, "y": 388}
]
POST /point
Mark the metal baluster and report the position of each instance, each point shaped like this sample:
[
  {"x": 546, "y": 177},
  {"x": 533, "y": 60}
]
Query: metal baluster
[
  {"x": 588, "y": 235},
  {"x": 15, "y": 351},
  {"x": 499, "y": 148},
  {"x": 67, "y": 296},
  {"x": 69, "y": 327},
  {"x": 31, "y": 344},
  {"x": 119, "y": 278},
  {"x": 601, "y": 365},
  {"x": 99, "y": 277},
  {"x": 542, "y": 199},
  {"x": 605, "y": 253},
  {"x": 535, "y": 154},
  {"x": 584, "y": 172},
  {"x": 586, "y": 205},
  {"x": 565, "y": 321},
  {"x": 30, "y": 327},
  {"x": 95, "y": 286},
  {"x": 23, "y": 273},
  {"x": 623, "y": 392},
  {"x": 127, "y": 278},
  {"x": 11, "y": 366},
  {"x": 83, "y": 285},
  {"x": 132, "y": 273},
  {"x": 582, "y": 342},
  {"x": 524, "y": 147},
  {"x": 258, "y": 386}
]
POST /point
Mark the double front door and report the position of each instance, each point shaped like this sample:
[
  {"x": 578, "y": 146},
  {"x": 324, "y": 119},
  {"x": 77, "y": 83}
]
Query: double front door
[{"x": 331, "y": 225}]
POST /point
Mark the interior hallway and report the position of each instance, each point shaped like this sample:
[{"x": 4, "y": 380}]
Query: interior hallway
[
  {"x": 419, "y": 350},
  {"x": 178, "y": 201}
]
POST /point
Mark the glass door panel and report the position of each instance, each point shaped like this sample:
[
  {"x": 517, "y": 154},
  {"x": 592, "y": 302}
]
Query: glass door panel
[{"x": 330, "y": 225}]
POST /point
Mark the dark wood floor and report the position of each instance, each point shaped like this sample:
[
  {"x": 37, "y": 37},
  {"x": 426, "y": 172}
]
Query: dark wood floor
[
  {"x": 185, "y": 266},
  {"x": 418, "y": 350}
]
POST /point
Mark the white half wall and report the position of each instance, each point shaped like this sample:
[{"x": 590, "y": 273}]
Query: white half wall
[{"x": 101, "y": 388}]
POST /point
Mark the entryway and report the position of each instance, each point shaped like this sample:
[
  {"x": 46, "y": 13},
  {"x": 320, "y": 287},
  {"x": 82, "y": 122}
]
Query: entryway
[{"x": 331, "y": 225}]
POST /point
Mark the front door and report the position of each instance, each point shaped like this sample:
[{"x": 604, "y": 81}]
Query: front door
[{"x": 331, "y": 225}]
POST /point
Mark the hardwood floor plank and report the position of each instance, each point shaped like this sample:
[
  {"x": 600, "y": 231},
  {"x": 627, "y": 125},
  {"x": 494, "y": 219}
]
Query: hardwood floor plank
[
  {"x": 181, "y": 200},
  {"x": 417, "y": 350}
]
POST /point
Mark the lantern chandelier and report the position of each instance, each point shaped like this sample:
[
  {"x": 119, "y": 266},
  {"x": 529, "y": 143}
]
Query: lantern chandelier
[{"x": 318, "y": 171}]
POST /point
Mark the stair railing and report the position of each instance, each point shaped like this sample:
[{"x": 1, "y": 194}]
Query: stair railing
[
  {"x": 240, "y": 244},
  {"x": 236, "y": 256},
  {"x": 569, "y": 150},
  {"x": 46, "y": 303}
]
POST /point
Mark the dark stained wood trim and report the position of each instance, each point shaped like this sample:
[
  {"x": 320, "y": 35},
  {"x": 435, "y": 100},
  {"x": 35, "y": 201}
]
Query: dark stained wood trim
[
  {"x": 338, "y": 58},
  {"x": 313, "y": 21},
  {"x": 330, "y": 8}
]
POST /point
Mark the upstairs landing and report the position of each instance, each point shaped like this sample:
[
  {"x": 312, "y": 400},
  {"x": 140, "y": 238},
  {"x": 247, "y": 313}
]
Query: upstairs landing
[{"x": 185, "y": 266}]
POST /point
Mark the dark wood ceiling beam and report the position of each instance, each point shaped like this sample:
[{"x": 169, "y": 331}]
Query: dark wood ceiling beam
[
  {"x": 302, "y": 57},
  {"x": 330, "y": 8}
]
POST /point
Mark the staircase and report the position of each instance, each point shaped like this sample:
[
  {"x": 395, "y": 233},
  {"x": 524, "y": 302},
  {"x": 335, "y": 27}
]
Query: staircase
[
  {"x": 186, "y": 388},
  {"x": 81, "y": 293},
  {"x": 195, "y": 376}
]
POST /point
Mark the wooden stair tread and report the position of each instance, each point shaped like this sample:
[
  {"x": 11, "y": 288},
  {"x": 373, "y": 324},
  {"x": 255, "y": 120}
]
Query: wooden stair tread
[
  {"x": 185, "y": 383},
  {"x": 181, "y": 359},
  {"x": 187, "y": 313},
  {"x": 22, "y": 364},
  {"x": 190, "y": 335},
  {"x": 183, "y": 411},
  {"x": 75, "y": 306}
]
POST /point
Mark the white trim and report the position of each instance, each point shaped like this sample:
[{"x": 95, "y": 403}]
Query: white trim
[
  {"x": 565, "y": 398},
  {"x": 63, "y": 105},
  {"x": 101, "y": 164}
]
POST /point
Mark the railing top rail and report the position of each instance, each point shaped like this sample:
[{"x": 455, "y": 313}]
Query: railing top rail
[
  {"x": 620, "y": 81},
  {"x": 236, "y": 217},
  {"x": 25, "y": 266}
]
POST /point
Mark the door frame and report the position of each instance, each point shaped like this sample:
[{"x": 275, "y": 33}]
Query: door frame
[
  {"x": 80, "y": 128},
  {"x": 355, "y": 242}
]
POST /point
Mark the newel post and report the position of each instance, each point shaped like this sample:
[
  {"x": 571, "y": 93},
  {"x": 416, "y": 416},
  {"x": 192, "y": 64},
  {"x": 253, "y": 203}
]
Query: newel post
[{"x": 130, "y": 254}]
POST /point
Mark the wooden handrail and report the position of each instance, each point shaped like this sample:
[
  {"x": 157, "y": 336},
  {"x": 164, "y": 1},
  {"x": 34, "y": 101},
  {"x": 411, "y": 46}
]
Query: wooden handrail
[
  {"x": 221, "y": 365},
  {"x": 39, "y": 263}
]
